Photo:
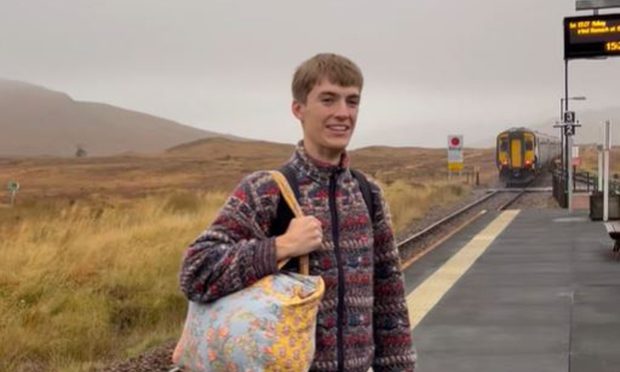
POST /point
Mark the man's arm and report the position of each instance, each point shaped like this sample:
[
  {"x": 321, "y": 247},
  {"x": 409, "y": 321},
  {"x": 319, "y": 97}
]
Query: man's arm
[
  {"x": 393, "y": 343},
  {"x": 234, "y": 252}
]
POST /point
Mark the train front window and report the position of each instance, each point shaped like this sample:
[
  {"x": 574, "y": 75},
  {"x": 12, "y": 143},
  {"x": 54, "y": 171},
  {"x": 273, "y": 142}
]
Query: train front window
[
  {"x": 529, "y": 146},
  {"x": 503, "y": 144}
]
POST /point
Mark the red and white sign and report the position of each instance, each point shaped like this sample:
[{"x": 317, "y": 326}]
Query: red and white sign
[
  {"x": 455, "y": 142},
  {"x": 455, "y": 153}
]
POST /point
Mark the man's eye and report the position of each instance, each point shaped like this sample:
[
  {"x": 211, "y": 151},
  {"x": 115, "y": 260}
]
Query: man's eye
[
  {"x": 327, "y": 100},
  {"x": 354, "y": 103}
]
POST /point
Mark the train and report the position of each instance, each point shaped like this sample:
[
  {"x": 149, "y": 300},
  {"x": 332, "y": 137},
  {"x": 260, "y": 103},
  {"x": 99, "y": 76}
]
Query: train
[{"x": 522, "y": 153}]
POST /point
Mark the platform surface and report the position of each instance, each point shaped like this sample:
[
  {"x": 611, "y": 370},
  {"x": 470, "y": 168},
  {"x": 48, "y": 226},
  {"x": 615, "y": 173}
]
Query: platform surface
[{"x": 543, "y": 295}]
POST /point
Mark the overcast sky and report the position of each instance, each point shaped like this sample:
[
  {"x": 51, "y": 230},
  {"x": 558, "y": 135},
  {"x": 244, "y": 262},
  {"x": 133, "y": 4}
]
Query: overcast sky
[{"x": 431, "y": 68}]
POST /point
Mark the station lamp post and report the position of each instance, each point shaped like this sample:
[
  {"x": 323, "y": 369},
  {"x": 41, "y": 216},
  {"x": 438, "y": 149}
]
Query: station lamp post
[{"x": 576, "y": 98}]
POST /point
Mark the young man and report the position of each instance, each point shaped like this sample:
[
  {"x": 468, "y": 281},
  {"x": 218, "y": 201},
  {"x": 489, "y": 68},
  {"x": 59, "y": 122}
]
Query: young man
[{"x": 362, "y": 320}]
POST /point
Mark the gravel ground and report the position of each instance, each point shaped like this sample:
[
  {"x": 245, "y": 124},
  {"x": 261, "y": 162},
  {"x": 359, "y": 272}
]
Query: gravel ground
[
  {"x": 535, "y": 200},
  {"x": 158, "y": 359}
]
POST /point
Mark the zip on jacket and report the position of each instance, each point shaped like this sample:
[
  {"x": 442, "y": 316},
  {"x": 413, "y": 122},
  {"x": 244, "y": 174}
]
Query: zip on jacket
[{"x": 336, "y": 237}]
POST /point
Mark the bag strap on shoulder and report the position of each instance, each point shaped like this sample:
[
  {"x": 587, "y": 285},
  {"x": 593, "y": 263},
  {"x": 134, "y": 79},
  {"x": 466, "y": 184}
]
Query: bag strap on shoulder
[
  {"x": 289, "y": 173},
  {"x": 291, "y": 200},
  {"x": 366, "y": 191},
  {"x": 284, "y": 214}
]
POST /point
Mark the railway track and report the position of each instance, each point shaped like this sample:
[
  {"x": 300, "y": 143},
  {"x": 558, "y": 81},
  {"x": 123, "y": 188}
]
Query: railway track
[{"x": 419, "y": 243}]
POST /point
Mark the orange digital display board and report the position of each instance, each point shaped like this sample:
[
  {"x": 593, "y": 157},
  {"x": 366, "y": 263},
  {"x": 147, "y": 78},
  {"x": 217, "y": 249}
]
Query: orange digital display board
[{"x": 592, "y": 36}]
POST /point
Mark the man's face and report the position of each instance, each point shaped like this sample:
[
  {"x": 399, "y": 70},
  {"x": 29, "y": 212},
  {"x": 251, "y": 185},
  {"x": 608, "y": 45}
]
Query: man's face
[{"x": 328, "y": 117}]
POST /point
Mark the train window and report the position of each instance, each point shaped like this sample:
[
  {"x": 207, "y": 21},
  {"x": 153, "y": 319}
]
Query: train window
[
  {"x": 529, "y": 146},
  {"x": 503, "y": 144}
]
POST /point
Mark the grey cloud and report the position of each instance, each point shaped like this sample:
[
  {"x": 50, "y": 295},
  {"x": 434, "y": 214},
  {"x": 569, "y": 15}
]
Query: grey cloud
[{"x": 476, "y": 66}]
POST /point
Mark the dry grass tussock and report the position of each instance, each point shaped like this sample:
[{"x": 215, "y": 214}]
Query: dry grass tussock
[
  {"x": 410, "y": 202},
  {"x": 84, "y": 284}
]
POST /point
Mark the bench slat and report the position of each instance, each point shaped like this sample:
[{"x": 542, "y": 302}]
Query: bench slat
[{"x": 612, "y": 227}]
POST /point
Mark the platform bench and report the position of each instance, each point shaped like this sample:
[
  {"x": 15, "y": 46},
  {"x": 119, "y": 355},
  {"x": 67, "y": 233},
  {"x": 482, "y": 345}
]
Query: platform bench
[{"x": 613, "y": 229}]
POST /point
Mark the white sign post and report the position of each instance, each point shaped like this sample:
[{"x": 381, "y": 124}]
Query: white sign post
[
  {"x": 575, "y": 152},
  {"x": 606, "y": 148},
  {"x": 599, "y": 173}
]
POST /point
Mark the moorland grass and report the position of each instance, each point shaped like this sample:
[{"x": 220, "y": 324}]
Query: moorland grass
[{"x": 85, "y": 283}]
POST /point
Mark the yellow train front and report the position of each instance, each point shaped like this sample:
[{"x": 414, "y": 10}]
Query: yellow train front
[{"x": 522, "y": 153}]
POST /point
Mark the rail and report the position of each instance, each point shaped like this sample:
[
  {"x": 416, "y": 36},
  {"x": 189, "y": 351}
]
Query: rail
[
  {"x": 512, "y": 200},
  {"x": 418, "y": 244},
  {"x": 446, "y": 219}
]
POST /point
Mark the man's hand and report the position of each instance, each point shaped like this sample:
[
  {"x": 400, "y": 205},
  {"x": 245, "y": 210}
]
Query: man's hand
[{"x": 304, "y": 235}]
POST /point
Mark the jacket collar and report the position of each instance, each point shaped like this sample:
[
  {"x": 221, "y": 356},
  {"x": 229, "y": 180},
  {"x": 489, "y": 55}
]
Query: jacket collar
[{"x": 314, "y": 168}]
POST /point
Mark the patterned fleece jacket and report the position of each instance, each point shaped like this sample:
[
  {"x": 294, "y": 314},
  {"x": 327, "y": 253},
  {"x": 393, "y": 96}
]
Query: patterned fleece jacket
[{"x": 362, "y": 319}]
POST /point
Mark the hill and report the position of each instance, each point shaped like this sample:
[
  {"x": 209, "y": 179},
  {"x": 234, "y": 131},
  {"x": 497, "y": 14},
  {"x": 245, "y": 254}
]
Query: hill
[
  {"x": 219, "y": 147},
  {"x": 207, "y": 165},
  {"x": 37, "y": 121}
]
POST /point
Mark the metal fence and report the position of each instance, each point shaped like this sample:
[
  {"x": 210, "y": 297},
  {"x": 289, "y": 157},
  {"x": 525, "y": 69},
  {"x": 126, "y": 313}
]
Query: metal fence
[
  {"x": 559, "y": 189},
  {"x": 581, "y": 182}
]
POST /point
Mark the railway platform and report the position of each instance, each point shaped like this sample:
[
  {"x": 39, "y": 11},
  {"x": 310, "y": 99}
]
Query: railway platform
[{"x": 530, "y": 290}]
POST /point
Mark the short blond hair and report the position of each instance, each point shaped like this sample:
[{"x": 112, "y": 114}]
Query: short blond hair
[{"x": 337, "y": 69}]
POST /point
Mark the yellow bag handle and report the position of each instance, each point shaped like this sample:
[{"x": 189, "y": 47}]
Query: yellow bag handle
[{"x": 289, "y": 197}]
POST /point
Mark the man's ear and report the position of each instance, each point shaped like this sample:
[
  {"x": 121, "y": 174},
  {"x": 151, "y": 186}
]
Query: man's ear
[{"x": 298, "y": 109}]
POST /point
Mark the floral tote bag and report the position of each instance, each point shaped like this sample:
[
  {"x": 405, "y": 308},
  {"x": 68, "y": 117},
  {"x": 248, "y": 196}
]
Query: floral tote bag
[{"x": 269, "y": 326}]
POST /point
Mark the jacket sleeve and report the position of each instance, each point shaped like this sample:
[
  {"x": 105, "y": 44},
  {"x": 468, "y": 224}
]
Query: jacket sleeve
[
  {"x": 394, "y": 350},
  {"x": 234, "y": 251}
]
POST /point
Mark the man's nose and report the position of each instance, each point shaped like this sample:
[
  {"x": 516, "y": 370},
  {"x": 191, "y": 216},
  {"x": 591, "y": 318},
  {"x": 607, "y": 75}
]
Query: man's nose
[{"x": 342, "y": 109}]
